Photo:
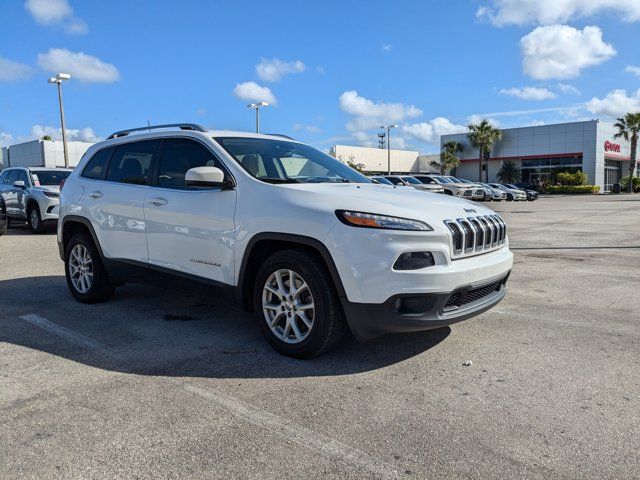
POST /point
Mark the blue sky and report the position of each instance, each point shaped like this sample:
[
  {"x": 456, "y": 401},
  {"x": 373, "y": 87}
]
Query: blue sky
[{"x": 336, "y": 69}]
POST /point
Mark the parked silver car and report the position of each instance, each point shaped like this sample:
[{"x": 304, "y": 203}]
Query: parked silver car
[
  {"x": 410, "y": 181},
  {"x": 496, "y": 194},
  {"x": 32, "y": 194}
]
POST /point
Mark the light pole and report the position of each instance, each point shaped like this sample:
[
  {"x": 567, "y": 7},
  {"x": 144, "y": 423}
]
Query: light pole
[
  {"x": 388, "y": 129},
  {"x": 58, "y": 79},
  {"x": 256, "y": 107}
]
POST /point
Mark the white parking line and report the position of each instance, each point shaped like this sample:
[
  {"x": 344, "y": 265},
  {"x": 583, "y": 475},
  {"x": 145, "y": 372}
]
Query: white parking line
[
  {"x": 314, "y": 441},
  {"x": 63, "y": 332}
]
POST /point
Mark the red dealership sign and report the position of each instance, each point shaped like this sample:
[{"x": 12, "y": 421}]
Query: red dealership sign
[{"x": 611, "y": 147}]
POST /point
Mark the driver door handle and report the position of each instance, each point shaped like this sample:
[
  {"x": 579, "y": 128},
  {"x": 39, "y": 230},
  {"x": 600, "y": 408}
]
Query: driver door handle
[
  {"x": 158, "y": 202},
  {"x": 95, "y": 194}
]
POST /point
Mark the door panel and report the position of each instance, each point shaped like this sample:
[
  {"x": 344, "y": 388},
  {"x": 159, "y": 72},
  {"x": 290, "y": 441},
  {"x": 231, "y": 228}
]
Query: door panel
[
  {"x": 190, "y": 230},
  {"x": 117, "y": 204},
  {"x": 10, "y": 193}
]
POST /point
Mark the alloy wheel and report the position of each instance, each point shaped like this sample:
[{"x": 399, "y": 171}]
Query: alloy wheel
[
  {"x": 81, "y": 268},
  {"x": 34, "y": 219},
  {"x": 288, "y": 307}
]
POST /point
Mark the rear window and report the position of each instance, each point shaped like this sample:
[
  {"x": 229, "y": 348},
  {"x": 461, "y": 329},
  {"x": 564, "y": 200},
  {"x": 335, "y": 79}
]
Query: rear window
[
  {"x": 97, "y": 166},
  {"x": 48, "y": 177}
]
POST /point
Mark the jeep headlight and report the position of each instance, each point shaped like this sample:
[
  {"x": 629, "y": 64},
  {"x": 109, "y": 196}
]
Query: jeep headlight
[{"x": 374, "y": 220}]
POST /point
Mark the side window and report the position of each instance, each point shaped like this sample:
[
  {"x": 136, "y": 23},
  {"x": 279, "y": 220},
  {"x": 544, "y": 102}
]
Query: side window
[
  {"x": 131, "y": 163},
  {"x": 12, "y": 177},
  {"x": 97, "y": 166},
  {"x": 3, "y": 176},
  {"x": 179, "y": 155},
  {"x": 393, "y": 180},
  {"x": 23, "y": 176}
]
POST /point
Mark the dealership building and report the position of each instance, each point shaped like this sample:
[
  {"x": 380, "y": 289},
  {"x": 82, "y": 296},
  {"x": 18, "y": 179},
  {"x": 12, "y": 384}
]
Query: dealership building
[
  {"x": 377, "y": 160},
  {"x": 587, "y": 146}
]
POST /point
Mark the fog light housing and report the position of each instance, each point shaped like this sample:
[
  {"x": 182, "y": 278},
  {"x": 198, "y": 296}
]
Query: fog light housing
[{"x": 414, "y": 261}]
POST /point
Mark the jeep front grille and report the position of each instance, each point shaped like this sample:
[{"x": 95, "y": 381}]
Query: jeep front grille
[{"x": 475, "y": 235}]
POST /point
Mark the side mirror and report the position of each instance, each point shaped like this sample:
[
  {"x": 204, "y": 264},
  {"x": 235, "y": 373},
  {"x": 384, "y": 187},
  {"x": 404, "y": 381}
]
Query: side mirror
[
  {"x": 211, "y": 177},
  {"x": 19, "y": 184}
]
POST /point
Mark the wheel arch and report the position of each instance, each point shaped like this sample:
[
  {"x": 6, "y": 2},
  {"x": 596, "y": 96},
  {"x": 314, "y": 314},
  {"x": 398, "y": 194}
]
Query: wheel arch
[
  {"x": 74, "y": 224},
  {"x": 265, "y": 244}
]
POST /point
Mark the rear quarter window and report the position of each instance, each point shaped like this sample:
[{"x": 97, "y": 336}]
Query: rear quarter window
[{"x": 97, "y": 166}]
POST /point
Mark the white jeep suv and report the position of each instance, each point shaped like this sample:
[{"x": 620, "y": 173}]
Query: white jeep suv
[{"x": 309, "y": 244}]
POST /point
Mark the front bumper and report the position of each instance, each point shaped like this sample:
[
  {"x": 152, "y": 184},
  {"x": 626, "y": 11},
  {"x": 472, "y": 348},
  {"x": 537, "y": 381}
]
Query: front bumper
[
  {"x": 417, "y": 312},
  {"x": 49, "y": 208}
]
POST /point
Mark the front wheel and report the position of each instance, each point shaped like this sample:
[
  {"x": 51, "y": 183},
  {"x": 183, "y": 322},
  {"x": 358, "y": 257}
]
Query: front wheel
[
  {"x": 509, "y": 197},
  {"x": 87, "y": 278},
  {"x": 35, "y": 222},
  {"x": 297, "y": 305}
]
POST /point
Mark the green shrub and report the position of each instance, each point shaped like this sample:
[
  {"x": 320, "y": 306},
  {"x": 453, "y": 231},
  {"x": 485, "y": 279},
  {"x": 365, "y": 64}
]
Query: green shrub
[
  {"x": 624, "y": 183},
  {"x": 570, "y": 179},
  {"x": 572, "y": 189}
]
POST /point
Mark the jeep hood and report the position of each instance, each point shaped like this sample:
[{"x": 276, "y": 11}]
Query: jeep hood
[{"x": 384, "y": 199}]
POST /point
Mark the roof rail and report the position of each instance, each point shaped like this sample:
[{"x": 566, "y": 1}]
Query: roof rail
[
  {"x": 280, "y": 135},
  {"x": 181, "y": 126}
]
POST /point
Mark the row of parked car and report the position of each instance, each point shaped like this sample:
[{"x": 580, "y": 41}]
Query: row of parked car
[{"x": 459, "y": 187}]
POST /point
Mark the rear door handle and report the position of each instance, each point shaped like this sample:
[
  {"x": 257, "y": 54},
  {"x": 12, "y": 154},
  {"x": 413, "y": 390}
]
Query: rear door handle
[
  {"x": 158, "y": 202},
  {"x": 95, "y": 194}
]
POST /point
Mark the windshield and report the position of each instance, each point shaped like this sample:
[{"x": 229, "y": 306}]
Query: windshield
[
  {"x": 463, "y": 180},
  {"x": 280, "y": 161},
  {"x": 48, "y": 177},
  {"x": 381, "y": 180},
  {"x": 510, "y": 185},
  {"x": 440, "y": 179},
  {"x": 411, "y": 180}
]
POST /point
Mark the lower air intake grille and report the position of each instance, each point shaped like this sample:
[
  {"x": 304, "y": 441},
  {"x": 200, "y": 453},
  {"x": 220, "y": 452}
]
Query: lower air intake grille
[{"x": 463, "y": 297}]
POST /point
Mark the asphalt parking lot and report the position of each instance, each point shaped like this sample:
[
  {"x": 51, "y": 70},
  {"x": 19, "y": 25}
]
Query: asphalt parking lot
[{"x": 161, "y": 385}]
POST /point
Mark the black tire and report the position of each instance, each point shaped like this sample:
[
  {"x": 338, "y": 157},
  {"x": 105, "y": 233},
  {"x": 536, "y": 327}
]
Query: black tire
[
  {"x": 448, "y": 192},
  {"x": 509, "y": 197},
  {"x": 34, "y": 220},
  {"x": 329, "y": 325},
  {"x": 101, "y": 288}
]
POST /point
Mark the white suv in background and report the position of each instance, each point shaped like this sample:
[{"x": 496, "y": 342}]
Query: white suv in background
[
  {"x": 309, "y": 244},
  {"x": 32, "y": 194},
  {"x": 449, "y": 187}
]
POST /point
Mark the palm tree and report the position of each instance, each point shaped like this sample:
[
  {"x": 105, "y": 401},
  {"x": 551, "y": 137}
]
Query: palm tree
[
  {"x": 483, "y": 136},
  {"x": 509, "y": 172},
  {"x": 448, "y": 158},
  {"x": 629, "y": 128}
]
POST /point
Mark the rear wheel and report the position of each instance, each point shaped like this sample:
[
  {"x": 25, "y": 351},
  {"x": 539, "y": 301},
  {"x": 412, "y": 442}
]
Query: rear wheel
[
  {"x": 509, "y": 197},
  {"x": 34, "y": 220},
  {"x": 87, "y": 278},
  {"x": 448, "y": 192},
  {"x": 297, "y": 306}
]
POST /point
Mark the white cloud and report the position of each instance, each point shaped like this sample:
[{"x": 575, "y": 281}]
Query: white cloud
[
  {"x": 56, "y": 12},
  {"x": 252, "y": 92},
  {"x": 633, "y": 69},
  {"x": 529, "y": 93},
  {"x": 615, "y": 104},
  {"x": 386, "y": 47},
  {"x": 274, "y": 69},
  {"x": 477, "y": 118},
  {"x": 367, "y": 114},
  {"x": 561, "y": 51},
  {"x": 566, "y": 88},
  {"x": 547, "y": 12},
  {"x": 11, "y": 71},
  {"x": 5, "y": 139},
  {"x": 430, "y": 132},
  {"x": 309, "y": 128},
  {"x": 83, "y": 67},
  {"x": 85, "y": 134}
]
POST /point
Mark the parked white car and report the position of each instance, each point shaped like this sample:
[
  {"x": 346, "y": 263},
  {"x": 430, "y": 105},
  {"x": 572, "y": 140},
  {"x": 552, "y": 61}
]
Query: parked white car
[
  {"x": 511, "y": 193},
  {"x": 409, "y": 181},
  {"x": 478, "y": 190},
  {"x": 32, "y": 194},
  {"x": 309, "y": 244},
  {"x": 449, "y": 187}
]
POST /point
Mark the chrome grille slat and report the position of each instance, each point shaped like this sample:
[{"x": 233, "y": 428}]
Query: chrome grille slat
[{"x": 475, "y": 235}]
